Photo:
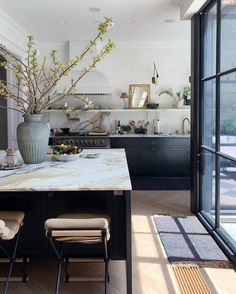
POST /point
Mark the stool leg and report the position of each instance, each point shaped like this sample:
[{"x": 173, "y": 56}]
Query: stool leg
[
  {"x": 106, "y": 260},
  {"x": 12, "y": 261},
  {"x": 59, "y": 272},
  {"x": 59, "y": 258},
  {"x": 66, "y": 263}
]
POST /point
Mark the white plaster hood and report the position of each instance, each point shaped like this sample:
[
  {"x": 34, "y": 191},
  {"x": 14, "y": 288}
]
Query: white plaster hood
[{"x": 94, "y": 82}]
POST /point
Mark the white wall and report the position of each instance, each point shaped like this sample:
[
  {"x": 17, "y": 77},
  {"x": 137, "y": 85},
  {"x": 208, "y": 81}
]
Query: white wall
[
  {"x": 133, "y": 64},
  {"x": 129, "y": 63},
  {"x": 14, "y": 38}
]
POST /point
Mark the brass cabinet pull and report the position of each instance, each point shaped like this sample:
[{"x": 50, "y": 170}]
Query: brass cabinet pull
[{"x": 50, "y": 194}]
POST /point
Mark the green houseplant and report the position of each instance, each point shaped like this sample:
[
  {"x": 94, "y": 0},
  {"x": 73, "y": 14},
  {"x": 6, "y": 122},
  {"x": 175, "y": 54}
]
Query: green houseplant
[
  {"x": 35, "y": 88},
  {"x": 178, "y": 96},
  {"x": 125, "y": 129}
]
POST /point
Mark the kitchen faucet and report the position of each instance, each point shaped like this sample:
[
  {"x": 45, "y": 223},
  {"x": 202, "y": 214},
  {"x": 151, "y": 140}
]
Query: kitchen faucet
[{"x": 185, "y": 119}]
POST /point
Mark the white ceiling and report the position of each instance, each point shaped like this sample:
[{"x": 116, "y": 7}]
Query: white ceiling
[{"x": 42, "y": 19}]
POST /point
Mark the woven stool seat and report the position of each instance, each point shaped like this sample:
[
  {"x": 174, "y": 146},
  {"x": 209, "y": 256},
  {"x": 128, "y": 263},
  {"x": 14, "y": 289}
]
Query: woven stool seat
[
  {"x": 10, "y": 222},
  {"x": 85, "y": 228},
  {"x": 10, "y": 227},
  {"x": 78, "y": 227}
]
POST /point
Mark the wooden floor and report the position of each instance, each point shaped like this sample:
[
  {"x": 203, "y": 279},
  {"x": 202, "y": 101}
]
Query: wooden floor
[{"x": 152, "y": 273}]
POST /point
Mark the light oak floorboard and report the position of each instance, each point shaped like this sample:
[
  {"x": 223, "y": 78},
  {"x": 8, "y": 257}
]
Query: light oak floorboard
[{"x": 152, "y": 273}]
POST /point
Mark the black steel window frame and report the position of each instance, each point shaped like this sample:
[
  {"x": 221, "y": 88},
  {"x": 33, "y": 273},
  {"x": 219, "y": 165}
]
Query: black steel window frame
[{"x": 198, "y": 79}]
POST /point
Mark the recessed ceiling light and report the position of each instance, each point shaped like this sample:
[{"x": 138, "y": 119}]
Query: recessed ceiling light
[
  {"x": 169, "y": 20},
  {"x": 62, "y": 22},
  {"x": 94, "y": 9}
]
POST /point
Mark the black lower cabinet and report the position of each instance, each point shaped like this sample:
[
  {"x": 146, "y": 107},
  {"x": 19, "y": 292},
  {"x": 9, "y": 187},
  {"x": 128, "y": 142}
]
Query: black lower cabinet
[
  {"x": 178, "y": 161},
  {"x": 135, "y": 162},
  {"x": 154, "y": 161},
  {"x": 157, "y": 162}
]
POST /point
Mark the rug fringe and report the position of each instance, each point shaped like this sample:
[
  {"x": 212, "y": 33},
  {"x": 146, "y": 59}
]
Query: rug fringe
[{"x": 174, "y": 215}]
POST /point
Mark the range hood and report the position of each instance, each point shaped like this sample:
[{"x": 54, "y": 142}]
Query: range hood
[{"x": 93, "y": 83}]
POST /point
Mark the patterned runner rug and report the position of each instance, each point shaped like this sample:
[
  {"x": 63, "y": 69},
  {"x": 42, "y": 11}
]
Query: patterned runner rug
[{"x": 185, "y": 240}]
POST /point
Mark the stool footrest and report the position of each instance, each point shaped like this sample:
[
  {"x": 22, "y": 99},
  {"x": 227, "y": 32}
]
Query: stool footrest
[
  {"x": 15, "y": 279},
  {"x": 20, "y": 260},
  {"x": 86, "y": 260},
  {"x": 84, "y": 279}
]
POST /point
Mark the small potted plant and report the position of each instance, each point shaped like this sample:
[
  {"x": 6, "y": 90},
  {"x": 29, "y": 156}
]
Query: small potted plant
[
  {"x": 187, "y": 94},
  {"x": 125, "y": 129},
  {"x": 178, "y": 97}
]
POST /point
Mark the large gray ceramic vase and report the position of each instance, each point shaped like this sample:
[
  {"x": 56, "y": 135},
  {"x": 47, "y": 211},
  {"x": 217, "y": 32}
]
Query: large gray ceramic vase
[{"x": 32, "y": 138}]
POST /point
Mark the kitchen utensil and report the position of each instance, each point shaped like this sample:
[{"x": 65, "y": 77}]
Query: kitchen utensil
[
  {"x": 146, "y": 124},
  {"x": 141, "y": 123},
  {"x": 132, "y": 123}
]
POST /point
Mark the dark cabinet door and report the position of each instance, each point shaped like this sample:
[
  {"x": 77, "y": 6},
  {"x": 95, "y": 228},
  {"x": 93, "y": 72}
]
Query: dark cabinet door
[
  {"x": 154, "y": 161},
  {"x": 178, "y": 161},
  {"x": 135, "y": 161}
]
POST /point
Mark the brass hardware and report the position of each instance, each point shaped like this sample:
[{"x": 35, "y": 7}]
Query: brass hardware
[{"x": 50, "y": 194}]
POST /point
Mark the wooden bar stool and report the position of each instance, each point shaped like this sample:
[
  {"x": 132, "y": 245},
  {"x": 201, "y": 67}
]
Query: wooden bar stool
[
  {"x": 78, "y": 228},
  {"x": 10, "y": 227}
]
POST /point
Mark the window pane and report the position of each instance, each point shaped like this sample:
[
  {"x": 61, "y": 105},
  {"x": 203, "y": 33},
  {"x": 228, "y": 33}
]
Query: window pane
[
  {"x": 228, "y": 34},
  {"x": 209, "y": 98},
  {"x": 228, "y": 197},
  {"x": 228, "y": 114},
  {"x": 208, "y": 184},
  {"x": 209, "y": 62}
]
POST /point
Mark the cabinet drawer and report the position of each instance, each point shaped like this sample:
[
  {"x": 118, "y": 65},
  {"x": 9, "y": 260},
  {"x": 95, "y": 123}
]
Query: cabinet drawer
[
  {"x": 137, "y": 142},
  {"x": 125, "y": 142},
  {"x": 178, "y": 141},
  {"x": 150, "y": 141}
]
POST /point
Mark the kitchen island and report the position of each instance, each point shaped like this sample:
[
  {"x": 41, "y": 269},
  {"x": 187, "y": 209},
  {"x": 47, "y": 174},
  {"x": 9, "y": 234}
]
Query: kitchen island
[{"x": 100, "y": 184}]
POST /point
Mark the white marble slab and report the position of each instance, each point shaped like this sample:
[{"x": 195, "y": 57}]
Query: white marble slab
[
  {"x": 150, "y": 135},
  {"x": 107, "y": 172}
]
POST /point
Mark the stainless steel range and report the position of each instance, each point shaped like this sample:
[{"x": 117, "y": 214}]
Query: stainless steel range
[{"x": 83, "y": 140}]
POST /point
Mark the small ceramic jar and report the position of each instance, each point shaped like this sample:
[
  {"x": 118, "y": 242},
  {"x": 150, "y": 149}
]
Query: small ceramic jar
[{"x": 10, "y": 157}]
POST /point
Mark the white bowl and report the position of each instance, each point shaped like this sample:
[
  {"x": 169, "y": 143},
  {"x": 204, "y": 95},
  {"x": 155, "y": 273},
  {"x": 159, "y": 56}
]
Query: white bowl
[{"x": 66, "y": 157}]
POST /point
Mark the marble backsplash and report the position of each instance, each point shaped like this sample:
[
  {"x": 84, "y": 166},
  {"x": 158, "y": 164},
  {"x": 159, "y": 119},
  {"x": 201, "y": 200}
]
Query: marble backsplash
[{"x": 170, "y": 119}]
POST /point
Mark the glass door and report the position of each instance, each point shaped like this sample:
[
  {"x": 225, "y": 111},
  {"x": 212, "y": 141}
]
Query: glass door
[{"x": 217, "y": 119}]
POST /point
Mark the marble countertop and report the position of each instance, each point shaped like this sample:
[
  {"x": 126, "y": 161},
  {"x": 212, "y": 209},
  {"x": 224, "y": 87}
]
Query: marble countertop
[
  {"x": 108, "y": 172},
  {"x": 151, "y": 135}
]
